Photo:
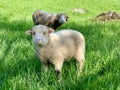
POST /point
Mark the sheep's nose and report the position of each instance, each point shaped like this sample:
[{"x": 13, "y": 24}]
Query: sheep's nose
[{"x": 38, "y": 40}]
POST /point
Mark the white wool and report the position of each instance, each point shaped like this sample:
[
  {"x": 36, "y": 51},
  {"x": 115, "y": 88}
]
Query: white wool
[{"x": 60, "y": 46}]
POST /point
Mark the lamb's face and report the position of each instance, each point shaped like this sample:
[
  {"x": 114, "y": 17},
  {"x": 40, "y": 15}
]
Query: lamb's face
[
  {"x": 62, "y": 18},
  {"x": 40, "y": 34}
]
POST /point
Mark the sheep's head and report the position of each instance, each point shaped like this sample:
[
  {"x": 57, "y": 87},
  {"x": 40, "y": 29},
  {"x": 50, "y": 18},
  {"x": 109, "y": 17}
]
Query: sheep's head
[
  {"x": 62, "y": 18},
  {"x": 40, "y": 34}
]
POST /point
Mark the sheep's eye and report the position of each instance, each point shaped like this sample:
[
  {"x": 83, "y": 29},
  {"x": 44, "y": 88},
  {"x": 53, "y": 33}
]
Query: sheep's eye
[
  {"x": 44, "y": 33},
  {"x": 33, "y": 33}
]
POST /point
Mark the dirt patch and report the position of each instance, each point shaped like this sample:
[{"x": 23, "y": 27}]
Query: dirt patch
[
  {"x": 79, "y": 10},
  {"x": 107, "y": 16}
]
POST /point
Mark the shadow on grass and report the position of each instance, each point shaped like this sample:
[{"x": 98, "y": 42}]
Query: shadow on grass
[
  {"x": 14, "y": 66},
  {"x": 16, "y": 25},
  {"x": 104, "y": 78},
  {"x": 13, "y": 27},
  {"x": 20, "y": 68}
]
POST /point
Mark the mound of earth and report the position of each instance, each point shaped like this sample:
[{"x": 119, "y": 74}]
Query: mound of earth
[{"x": 107, "y": 16}]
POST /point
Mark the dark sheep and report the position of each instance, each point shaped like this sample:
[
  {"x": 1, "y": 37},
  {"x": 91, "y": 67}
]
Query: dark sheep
[{"x": 52, "y": 20}]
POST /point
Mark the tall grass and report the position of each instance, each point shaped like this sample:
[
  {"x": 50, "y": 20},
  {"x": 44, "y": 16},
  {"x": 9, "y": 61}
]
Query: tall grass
[{"x": 20, "y": 69}]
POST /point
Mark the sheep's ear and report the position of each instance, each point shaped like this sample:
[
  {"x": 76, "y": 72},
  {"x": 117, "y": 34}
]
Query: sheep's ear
[
  {"x": 29, "y": 32},
  {"x": 50, "y": 30}
]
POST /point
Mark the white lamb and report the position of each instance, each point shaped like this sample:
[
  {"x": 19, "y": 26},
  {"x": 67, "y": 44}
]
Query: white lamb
[{"x": 58, "y": 47}]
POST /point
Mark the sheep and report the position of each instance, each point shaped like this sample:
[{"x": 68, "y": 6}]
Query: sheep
[
  {"x": 52, "y": 20},
  {"x": 57, "y": 47}
]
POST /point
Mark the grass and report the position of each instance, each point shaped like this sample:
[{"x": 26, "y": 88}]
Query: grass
[{"x": 19, "y": 66}]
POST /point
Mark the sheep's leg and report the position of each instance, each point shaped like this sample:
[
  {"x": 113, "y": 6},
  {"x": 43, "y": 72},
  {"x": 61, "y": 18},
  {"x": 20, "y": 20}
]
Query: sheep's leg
[
  {"x": 59, "y": 75},
  {"x": 80, "y": 57},
  {"x": 80, "y": 64},
  {"x": 58, "y": 68},
  {"x": 45, "y": 66}
]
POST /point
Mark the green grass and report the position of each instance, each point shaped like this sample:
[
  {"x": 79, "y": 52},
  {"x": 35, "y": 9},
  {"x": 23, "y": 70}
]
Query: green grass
[{"x": 20, "y": 69}]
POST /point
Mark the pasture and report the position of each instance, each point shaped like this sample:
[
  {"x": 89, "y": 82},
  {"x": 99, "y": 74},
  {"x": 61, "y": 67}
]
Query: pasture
[{"x": 19, "y": 66}]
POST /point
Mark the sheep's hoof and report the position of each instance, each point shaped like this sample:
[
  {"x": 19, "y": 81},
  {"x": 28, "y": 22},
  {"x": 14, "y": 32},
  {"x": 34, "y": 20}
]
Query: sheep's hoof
[
  {"x": 46, "y": 70},
  {"x": 78, "y": 74},
  {"x": 60, "y": 80}
]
